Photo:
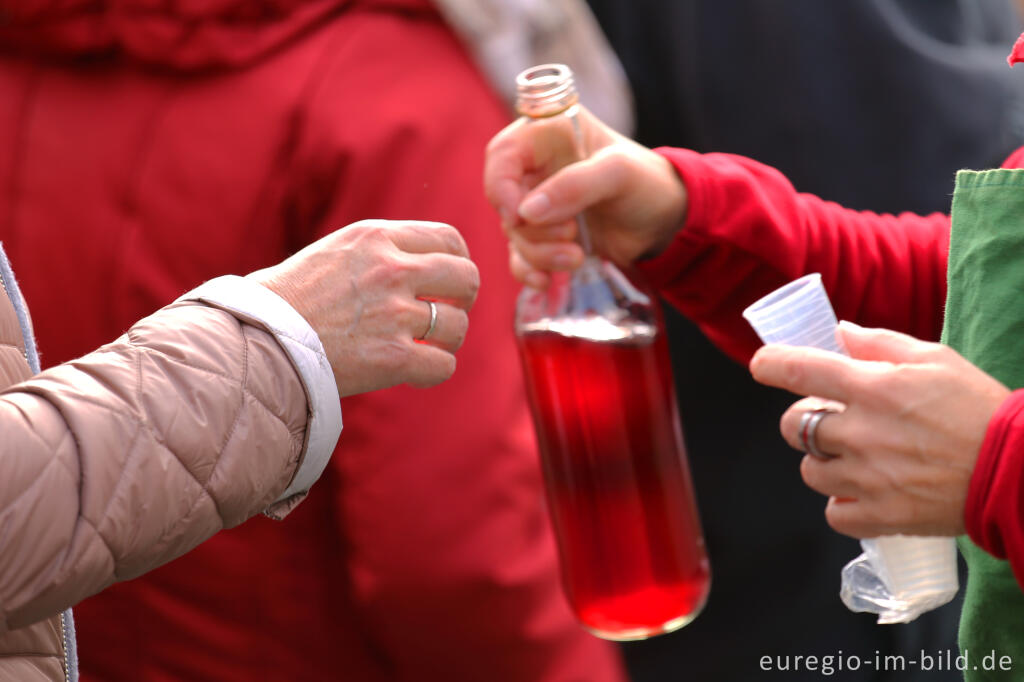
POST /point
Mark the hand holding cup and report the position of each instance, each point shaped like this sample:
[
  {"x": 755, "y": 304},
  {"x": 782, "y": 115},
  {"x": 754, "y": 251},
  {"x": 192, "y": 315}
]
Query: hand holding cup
[{"x": 905, "y": 444}]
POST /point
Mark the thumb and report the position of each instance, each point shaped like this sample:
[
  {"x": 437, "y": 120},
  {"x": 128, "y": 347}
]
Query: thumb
[
  {"x": 881, "y": 345},
  {"x": 571, "y": 191}
]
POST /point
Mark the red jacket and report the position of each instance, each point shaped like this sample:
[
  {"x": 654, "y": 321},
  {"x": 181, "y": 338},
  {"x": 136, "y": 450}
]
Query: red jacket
[
  {"x": 748, "y": 230},
  {"x": 142, "y": 153}
]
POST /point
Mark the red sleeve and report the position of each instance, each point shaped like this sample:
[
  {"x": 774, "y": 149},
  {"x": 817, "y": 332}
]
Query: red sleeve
[
  {"x": 748, "y": 232},
  {"x": 993, "y": 512},
  {"x": 1016, "y": 159}
]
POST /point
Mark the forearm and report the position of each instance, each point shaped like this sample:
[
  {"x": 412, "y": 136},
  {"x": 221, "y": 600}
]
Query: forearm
[
  {"x": 130, "y": 456},
  {"x": 748, "y": 231}
]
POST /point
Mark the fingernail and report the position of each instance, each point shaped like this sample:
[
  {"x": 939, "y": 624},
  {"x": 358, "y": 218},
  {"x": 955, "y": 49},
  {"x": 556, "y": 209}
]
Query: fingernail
[
  {"x": 846, "y": 324},
  {"x": 534, "y": 207}
]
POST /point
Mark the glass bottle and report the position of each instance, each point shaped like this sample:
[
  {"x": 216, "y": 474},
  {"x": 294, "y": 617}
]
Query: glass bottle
[{"x": 600, "y": 388}]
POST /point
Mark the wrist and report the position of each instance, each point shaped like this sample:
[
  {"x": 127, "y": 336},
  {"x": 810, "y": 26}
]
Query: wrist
[
  {"x": 994, "y": 489},
  {"x": 672, "y": 216}
]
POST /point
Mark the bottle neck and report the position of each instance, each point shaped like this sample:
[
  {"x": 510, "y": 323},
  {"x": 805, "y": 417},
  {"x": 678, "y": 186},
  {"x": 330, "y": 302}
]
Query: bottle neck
[{"x": 547, "y": 96}]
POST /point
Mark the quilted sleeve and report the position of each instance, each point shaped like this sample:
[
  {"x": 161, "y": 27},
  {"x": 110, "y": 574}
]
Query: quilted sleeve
[{"x": 112, "y": 464}]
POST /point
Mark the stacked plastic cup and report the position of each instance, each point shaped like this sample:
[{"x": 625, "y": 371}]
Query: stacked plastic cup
[
  {"x": 897, "y": 577},
  {"x": 900, "y": 577}
]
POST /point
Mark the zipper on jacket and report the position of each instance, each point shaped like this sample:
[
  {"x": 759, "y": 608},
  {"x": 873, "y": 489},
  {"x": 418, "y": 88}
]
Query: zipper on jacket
[
  {"x": 64, "y": 643},
  {"x": 10, "y": 287},
  {"x": 25, "y": 353}
]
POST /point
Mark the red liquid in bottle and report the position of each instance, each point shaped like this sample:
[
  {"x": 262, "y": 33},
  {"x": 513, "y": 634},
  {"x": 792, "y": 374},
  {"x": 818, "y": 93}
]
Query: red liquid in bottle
[{"x": 618, "y": 485}]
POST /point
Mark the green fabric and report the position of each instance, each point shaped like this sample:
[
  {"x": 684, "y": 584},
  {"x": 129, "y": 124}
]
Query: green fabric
[{"x": 985, "y": 323}]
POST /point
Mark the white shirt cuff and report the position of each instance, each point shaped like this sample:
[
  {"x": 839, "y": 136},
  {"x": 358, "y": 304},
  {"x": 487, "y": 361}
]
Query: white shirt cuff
[{"x": 250, "y": 299}]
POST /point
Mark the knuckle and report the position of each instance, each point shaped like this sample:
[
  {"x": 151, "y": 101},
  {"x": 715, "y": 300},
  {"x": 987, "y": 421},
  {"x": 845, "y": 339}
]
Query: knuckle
[
  {"x": 792, "y": 371},
  {"x": 494, "y": 144},
  {"x": 537, "y": 254},
  {"x": 460, "y": 329},
  {"x": 528, "y": 251},
  {"x": 931, "y": 352},
  {"x": 392, "y": 317},
  {"x": 366, "y": 228},
  {"x": 849, "y": 518},
  {"x": 807, "y": 472},
  {"x": 391, "y": 273},
  {"x": 813, "y": 474},
  {"x": 406, "y": 311},
  {"x": 504, "y": 138},
  {"x": 358, "y": 226},
  {"x": 841, "y": 521},
  {"x": 372, "y": 237},
  {"x": 435, "y": 371},
  {"x": 616, "y": 164},
  {"x": 393, "y": 358},
  {"x": 893, "y": 384},
  {"x": 447, "y": 367},
  {"x": 895, "y": 381},
  {"x": 518, "y": 266},
  {"x": 854, "y": 383},
  {"x": 380, "y": 276},
  {"x": 451, "y": 238},
  {"x": 789, "y": 422},
  {"x": 473, "y": 277}
]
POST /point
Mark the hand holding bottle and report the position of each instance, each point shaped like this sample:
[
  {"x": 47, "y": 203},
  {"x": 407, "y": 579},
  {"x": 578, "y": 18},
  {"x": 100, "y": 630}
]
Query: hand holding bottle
[{"x": 633, "y": 199}]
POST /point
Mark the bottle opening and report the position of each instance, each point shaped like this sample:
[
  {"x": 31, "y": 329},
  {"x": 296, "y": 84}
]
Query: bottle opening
[
  {"x": 545, "y": 90},
  {"x": 545, "y": 75}
]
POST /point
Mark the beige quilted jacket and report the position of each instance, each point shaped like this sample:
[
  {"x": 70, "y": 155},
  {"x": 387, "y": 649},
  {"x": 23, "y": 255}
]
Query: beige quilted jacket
[{"x": 193, "y": 421}]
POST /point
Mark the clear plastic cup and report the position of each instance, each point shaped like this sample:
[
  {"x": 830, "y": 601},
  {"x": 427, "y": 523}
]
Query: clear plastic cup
[
  {"x": 898, "y": 577},
  {"x": 797, "y": 314}
]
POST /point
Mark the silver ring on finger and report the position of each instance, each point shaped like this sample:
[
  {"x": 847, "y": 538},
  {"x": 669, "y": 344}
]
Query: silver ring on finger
[
  {"x": 807, "y": 433},
  {"x": 433, "y": 321}
]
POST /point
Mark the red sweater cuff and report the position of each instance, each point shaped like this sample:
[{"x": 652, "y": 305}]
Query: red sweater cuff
[
  {"x": 994, "y": 510},
  {"x": 747, "y": 231}
]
